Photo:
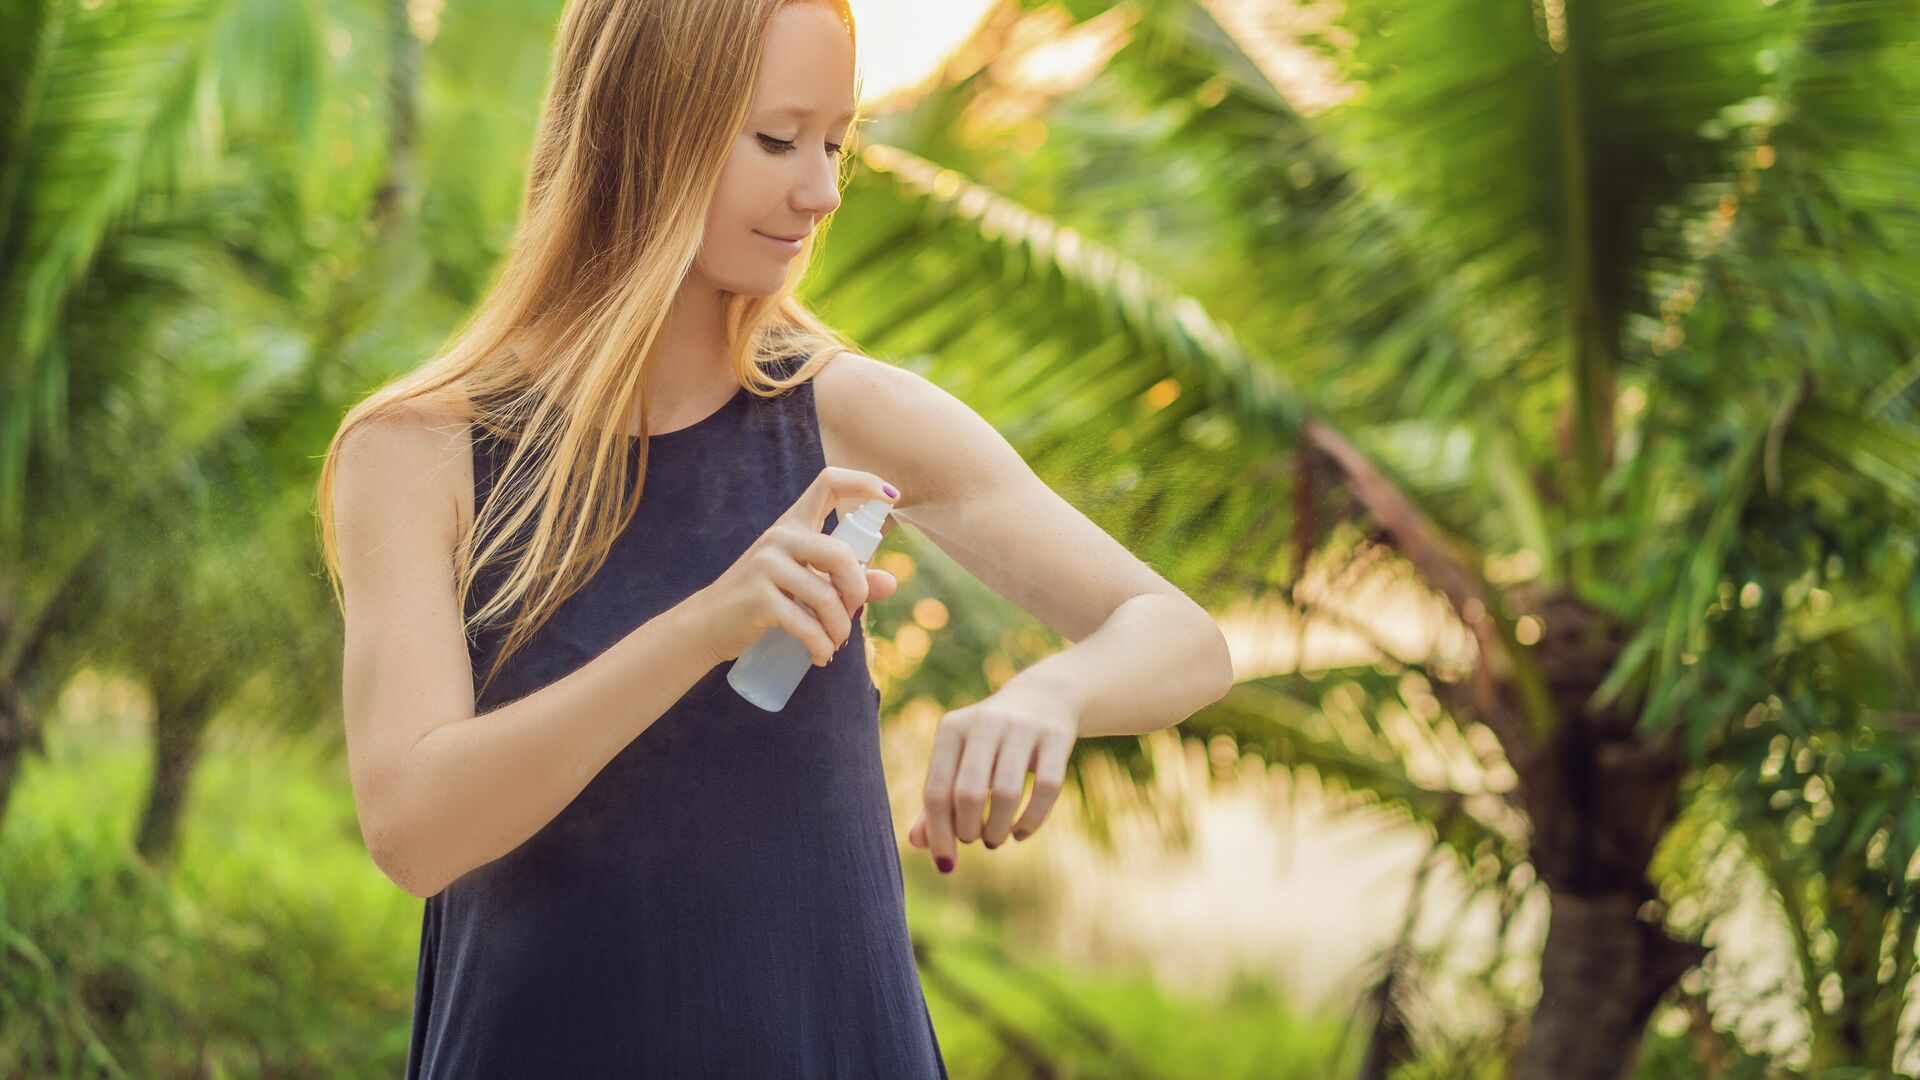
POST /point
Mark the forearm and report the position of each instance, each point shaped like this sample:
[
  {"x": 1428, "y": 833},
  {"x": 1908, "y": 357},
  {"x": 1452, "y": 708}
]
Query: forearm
[
  {"x": 477, "y": 788},
  {"x": 1156, "y": 661}
]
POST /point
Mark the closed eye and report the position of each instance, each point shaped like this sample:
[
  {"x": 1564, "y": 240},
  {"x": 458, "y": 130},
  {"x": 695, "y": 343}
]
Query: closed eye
[{"x": 781, "y": 146}]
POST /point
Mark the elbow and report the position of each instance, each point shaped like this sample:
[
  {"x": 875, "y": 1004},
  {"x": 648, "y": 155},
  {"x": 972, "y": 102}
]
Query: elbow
[
  {"x": 401, "y": 862},
  {"x": 414, "y": 888},
  {"x": 1215, "y": 659},
  {"x": 1215, "y": 656},
  {"x": 407, "y": 874},
  {"x": 1221, "y": 662}
]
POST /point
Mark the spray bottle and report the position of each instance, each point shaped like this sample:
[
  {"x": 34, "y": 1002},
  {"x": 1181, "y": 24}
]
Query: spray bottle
[{"x": 767, "y": 672}]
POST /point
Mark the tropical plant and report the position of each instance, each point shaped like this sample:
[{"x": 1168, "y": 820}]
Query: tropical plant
[
  {"x": 172, "y": 307},
  {"x": 1573, "y": 312},
  {"x": 1577, "y": 304}
]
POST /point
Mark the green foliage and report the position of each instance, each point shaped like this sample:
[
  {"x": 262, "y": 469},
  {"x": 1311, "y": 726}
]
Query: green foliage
[
  {"x": 276, "y": 948},
  {"x": 1532, "y": 216}
]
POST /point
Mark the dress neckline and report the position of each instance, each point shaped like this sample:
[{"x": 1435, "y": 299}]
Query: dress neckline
[{"x": 725, "y": 406}]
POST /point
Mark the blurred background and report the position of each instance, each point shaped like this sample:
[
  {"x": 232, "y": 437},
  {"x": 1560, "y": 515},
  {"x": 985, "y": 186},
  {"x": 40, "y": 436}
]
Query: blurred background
[{"x": 1527, "y": 386}]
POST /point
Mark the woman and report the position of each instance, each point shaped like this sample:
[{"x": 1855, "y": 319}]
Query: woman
[{"x": 628, "y": 869}]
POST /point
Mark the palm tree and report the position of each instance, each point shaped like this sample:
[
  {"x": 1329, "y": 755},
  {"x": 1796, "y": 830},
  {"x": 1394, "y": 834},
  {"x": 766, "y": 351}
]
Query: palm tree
[
  {"x": 1460, "y": 325},
  {"x": 1525, "y": 275},
  {"x": 104, "y": 105},
  {"x": 185, "y": 338}
]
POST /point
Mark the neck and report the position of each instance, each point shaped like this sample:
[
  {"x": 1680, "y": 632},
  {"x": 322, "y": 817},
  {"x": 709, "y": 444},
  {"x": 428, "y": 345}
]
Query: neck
[
  {"x": 689, "y": 359},
  {"x": 689, "y": 369}
]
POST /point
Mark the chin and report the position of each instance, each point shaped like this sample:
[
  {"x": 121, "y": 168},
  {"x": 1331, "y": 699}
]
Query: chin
[
  {"x": 761, "y": 285},
  {"x": 765, "y": 282}
]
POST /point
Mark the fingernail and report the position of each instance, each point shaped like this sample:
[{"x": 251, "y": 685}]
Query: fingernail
[
  {"x": 1021, "y": 835},
  {"x": 945, "y": 864},
  {"x": 858, "y": 610},
  {"x": 888, "y": 488},
  {"x": 990, "y": 844}
]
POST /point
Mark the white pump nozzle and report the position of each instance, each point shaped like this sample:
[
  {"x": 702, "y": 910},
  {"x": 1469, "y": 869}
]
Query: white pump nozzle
[{"x": 861, "y": 529}]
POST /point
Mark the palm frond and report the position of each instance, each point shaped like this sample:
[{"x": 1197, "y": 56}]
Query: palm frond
[
  {"x": 123, "y": 98},
  {"x": 1351, "y": 728},
  {"x": 1113, "y": 384}
]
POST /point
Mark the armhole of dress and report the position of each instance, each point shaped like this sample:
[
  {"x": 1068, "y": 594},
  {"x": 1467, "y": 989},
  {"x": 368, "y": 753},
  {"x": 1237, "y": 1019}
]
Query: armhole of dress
[
  {"x": 807, "y": 409},
  {"x": 480, "y": 453}
]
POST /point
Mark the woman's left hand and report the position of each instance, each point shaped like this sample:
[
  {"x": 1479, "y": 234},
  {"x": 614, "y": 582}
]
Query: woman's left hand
[{"x": 985, "y": 750}]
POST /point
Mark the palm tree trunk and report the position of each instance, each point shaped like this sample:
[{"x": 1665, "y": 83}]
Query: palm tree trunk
[
  {"x": 1598, "y": 793},
  {"x": 180, "y": 721},
  {"x": 398, "y": 196},
  {"x": 17, "y": 734},
  {"x": 1602, "y": 972},
  {"x": 1599, "y": 796}
]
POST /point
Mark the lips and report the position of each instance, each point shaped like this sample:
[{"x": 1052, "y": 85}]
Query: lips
[{"x": 788, "y": 239}]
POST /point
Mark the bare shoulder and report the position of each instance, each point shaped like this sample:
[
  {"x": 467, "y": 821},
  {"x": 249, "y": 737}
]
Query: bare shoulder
[
  {"x": 902, "y": 426},
  {"x": 852, "y": 383},
  {"x": 410, "y": 428},
  {"x": 850, "y": 396},
  {"x": 414, "y": 457}
]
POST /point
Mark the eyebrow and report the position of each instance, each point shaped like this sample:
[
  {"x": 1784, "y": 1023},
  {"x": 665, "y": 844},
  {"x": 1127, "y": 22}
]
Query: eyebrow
[{"x": 800, "y": 110}]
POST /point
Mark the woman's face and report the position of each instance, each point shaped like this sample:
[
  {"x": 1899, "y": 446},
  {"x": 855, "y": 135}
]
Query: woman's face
[{"x": 781, "y": 175}]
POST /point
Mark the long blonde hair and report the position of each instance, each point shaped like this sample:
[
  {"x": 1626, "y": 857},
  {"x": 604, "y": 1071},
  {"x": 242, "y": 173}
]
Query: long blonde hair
[{"x": 647, "y": 97}]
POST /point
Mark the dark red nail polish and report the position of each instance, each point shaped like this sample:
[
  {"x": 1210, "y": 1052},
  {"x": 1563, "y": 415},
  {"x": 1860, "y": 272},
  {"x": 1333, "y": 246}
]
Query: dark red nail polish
[{"x": 946, "y": 864}]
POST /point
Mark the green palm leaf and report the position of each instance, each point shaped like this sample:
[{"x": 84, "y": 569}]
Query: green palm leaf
[{"x": 118, "y": 99}]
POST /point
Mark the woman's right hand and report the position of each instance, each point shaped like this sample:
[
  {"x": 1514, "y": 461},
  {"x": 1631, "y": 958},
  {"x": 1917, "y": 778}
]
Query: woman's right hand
[{"x": 796, "y": 577}]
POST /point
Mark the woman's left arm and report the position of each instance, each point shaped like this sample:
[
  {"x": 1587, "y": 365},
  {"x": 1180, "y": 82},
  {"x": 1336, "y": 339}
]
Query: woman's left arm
[
  {"x": 1154, "y": 661},
  {"x": 1143, "y": 655}
]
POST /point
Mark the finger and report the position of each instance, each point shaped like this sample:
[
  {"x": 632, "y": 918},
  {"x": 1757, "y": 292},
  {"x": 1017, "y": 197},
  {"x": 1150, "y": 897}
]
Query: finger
[
  {"x": 831, "y": 560},
  {"x": 1009, "y": 783},
  {"x": 799, "y": 620},
  {"x": 971, "y": 781},
  {"x": 1049, "y": 770},
  {"x": 834, "y": 484},
  {"x": 880, "y": 585},
  {"x": 917, "y": 836},
  {"x": 938, "y": 796},
  {"x": 806, "y": 585}
]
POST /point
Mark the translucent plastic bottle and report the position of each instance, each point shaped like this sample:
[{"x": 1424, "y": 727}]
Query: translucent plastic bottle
[{"x": 767, "y": 672}]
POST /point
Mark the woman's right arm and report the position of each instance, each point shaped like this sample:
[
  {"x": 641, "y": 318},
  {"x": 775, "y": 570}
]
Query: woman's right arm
[{"x": 439, "y": 790}]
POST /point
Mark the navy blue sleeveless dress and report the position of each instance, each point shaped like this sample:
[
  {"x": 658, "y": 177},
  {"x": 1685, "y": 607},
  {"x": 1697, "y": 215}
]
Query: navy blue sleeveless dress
[{"x": 724, "y": 898}]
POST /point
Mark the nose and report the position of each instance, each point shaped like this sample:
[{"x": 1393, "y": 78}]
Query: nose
[{"x": 819, "y": 193}]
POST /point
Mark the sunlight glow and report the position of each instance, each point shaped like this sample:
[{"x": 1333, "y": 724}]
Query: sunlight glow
[{"x": 904, "y": 41}]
